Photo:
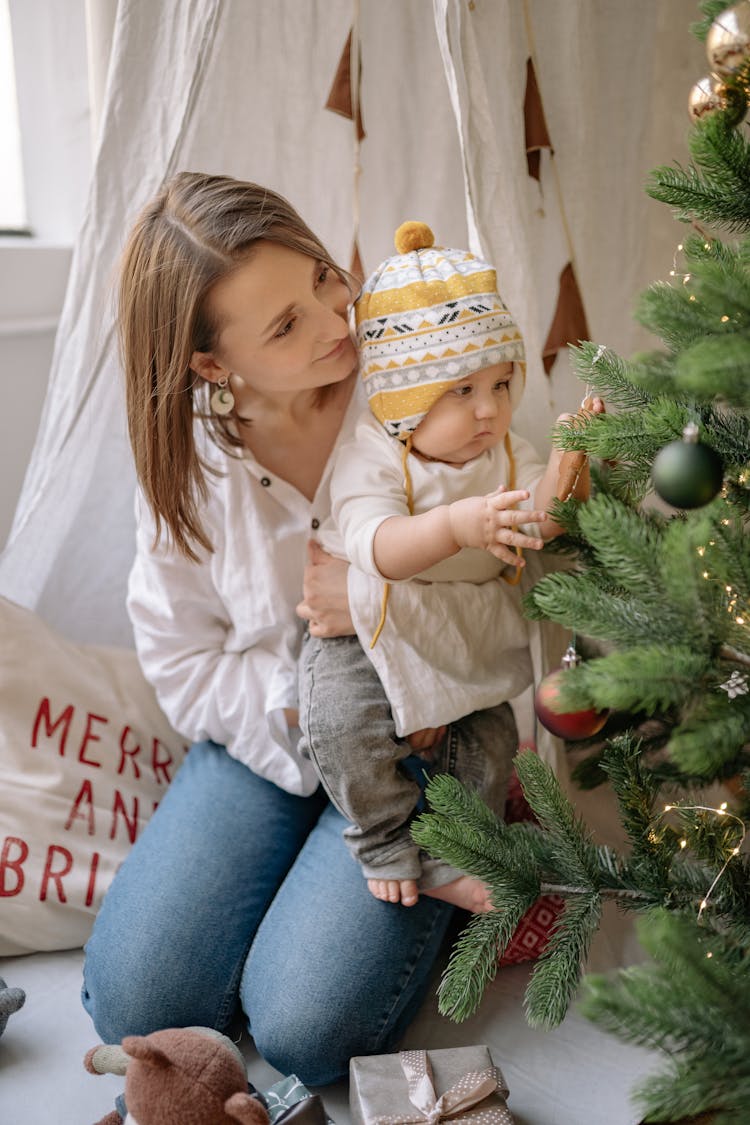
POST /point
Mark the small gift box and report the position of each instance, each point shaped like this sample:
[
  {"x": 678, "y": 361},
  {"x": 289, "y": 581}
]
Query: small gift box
[
  {"x": 460, "y": 1084},
  {"x": 290, "y": 1103}
]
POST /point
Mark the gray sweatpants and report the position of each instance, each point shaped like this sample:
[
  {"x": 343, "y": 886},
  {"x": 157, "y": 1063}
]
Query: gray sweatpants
[{"x": 349, "y": 734}]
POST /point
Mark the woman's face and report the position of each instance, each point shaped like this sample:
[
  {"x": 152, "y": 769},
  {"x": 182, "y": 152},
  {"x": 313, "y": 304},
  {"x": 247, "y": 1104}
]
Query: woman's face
[{"x": 283, "y": 327}]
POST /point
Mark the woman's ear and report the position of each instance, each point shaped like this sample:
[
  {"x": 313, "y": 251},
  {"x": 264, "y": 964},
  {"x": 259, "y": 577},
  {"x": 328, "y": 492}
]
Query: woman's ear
[{"x": 205, "y": 365}]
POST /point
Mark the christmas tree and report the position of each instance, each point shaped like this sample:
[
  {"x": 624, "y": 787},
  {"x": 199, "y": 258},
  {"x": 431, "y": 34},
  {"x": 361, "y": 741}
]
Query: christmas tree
[{"x": 660, "y": 590}]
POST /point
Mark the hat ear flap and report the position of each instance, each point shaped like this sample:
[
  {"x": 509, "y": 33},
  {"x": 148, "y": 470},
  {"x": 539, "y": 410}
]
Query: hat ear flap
[
  {"x": 139, "y": 1047},
  {"x": 517, "y": 382}
]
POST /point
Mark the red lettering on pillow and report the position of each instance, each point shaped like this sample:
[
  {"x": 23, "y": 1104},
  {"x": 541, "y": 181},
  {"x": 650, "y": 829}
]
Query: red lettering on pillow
[
  {"x": 160, "y": 765},
  {"x": 85, "y": 793},
  {"x": 14, "y": 865},
  {"x": 43, "y": 714},
  {"x": 131, "y": 754},
  {"x": 92, "y": 878},
  {"x": 56, "y": 877},
  {"x": 131, "y": 823},
  {"x": 89, "y": 736}
]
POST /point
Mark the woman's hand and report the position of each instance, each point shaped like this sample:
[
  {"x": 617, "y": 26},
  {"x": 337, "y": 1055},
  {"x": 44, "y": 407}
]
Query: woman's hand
[
  {"x": 422, "y": 741},
  {"x": 325, "y": 599}
]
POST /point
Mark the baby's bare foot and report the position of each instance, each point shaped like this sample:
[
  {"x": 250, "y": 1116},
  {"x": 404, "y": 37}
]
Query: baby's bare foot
[
  {"x": 394, "y": 890},
  {"x": 468, "y": 893}
]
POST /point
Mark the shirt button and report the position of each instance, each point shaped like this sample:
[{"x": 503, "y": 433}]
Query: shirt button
[
  {"x": 315, "y": 524},
  {"x": 265, "y": 481}
]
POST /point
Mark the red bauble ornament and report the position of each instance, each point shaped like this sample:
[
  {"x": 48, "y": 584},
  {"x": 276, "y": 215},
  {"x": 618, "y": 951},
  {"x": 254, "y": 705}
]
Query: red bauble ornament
[{"x": 571, "y": 725}]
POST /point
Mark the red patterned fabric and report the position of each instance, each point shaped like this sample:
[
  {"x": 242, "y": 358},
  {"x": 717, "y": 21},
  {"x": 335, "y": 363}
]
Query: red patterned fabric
[{"x": 533, "y": 931}]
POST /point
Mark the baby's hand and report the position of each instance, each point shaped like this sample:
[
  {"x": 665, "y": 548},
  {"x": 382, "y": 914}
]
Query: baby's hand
[{"x": 488, "y": 522}]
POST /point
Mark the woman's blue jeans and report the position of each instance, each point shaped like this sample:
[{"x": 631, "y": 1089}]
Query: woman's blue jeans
[{"x": 239, "y": 895}]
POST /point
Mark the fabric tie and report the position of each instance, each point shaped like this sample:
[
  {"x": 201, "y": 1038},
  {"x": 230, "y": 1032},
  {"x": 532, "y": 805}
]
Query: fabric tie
[{"x": 469, "y": 1091}]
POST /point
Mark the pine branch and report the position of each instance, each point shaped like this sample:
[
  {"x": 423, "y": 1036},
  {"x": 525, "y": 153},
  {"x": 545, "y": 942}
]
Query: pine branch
[
  {"x": 668, "y": 312},
  {"x": 607, "y": 375},
  {"x": 717, "y": 191},
  {"x": 730, "y": 434},
  {"x": 636, "y": 790},
  {"x": 624, "y": 542},
  {"x": 579, "y": 602},
  {"x": 463, "y": 831},
  {"x": 473, "y": 963},
  {"x": 715, "y": 367},
  {"x": 558, "y": 971},
  {"x": 570, "y": 842},
  {"x": 716, "y": 733},
  {"x": 704, "y": 1018},
  {"x": 693, "y": 601},
  {"x": 647, "y": 678}
]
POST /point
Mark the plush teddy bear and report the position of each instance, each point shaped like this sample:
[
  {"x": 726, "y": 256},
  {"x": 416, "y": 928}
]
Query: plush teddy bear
[
  {"x": 11, "y": 999},
  {"x": 189, "y": 1076}
]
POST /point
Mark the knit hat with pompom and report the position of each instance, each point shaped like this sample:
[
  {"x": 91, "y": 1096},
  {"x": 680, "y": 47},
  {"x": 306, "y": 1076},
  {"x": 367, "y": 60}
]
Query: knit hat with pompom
[{"x": 428, "y": 317}]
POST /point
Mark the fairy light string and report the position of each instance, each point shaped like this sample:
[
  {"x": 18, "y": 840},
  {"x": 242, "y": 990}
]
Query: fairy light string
[{"x": 721, "y": 811}]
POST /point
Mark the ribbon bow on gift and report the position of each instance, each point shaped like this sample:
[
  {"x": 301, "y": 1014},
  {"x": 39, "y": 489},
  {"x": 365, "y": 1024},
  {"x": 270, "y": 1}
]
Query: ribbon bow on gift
[{"x": 474, "y": 1087}]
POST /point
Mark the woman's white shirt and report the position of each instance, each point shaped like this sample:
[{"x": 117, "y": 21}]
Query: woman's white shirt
[{"x": 219, "y": 639}]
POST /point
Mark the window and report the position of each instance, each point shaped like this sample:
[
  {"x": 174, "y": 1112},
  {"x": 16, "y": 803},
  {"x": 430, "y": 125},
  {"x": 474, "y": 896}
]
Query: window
[{"x": 12, "y": 200}]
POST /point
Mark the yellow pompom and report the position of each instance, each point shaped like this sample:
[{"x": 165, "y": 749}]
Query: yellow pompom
[{"x": 413, "y": 236}]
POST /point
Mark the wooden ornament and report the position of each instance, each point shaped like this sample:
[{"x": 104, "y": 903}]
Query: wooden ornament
[{"x": 573, "y": 461}]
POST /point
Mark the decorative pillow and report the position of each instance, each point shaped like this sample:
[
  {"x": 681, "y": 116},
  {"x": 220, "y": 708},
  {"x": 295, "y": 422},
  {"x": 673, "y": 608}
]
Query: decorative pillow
[
  {"x": 533, "y": 931},
  {"x": 85, "y": 757}
]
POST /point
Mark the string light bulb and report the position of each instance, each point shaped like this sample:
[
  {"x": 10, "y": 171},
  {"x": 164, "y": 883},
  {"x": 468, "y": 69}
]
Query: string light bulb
[{"x": 722, "y": 810}]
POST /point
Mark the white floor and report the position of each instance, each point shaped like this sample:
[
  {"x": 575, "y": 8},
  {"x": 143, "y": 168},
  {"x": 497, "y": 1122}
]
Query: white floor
[{"x": 575, "y": 1075}]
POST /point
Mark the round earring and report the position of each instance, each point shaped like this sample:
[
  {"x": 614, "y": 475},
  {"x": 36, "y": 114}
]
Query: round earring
[{"x": 222, "y": 400}]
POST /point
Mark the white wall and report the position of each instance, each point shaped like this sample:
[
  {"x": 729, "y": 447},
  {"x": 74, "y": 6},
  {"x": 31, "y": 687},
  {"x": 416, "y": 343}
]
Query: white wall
[
  {"x": 50, "y": 48},
  {"x": 32, "y": 287}
]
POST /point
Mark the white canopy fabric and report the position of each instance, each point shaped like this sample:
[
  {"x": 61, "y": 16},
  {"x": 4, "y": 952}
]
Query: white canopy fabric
[{"x": 239, "y": 87}]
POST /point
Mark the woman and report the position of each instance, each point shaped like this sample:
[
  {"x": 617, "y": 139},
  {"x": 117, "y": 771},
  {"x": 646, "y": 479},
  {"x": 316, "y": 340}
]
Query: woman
[{"x": 240, "y": 892}]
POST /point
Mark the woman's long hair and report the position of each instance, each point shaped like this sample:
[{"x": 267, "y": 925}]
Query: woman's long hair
[{"x": 191, "y": 235}]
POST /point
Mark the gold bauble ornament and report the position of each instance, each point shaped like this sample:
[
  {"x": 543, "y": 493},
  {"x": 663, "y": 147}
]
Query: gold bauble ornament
[
  {"x": 710, "y": 95},
  {"x": 735, "y": 101},
  {"x": 704, "y": 99},
  {"x": 728, "y": 43}
]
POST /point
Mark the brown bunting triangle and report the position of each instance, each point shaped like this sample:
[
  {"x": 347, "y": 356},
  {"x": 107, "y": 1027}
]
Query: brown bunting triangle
[
  {"x": 340, "y": 98},
  {"x": 537, "y": 136},
  {"x": 569, "y": 322}
]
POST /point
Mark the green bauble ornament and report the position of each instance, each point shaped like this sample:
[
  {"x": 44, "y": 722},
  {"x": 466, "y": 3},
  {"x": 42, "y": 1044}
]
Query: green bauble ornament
[{"x": 687, "y": 473}]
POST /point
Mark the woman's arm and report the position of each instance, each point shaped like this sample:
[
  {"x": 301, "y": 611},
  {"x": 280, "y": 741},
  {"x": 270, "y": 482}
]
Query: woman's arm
[{"x": 208, "y": 686}]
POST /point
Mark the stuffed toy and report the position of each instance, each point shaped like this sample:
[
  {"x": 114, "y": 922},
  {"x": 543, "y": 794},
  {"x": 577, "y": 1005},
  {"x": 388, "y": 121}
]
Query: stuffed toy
[
  {"x": 189, "y": 1076},
  {"x": 11, "y": 999}
]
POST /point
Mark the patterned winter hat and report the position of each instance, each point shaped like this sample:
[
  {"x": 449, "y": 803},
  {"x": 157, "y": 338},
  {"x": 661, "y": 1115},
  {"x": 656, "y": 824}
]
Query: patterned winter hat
[{"x": 427, "y": 318}]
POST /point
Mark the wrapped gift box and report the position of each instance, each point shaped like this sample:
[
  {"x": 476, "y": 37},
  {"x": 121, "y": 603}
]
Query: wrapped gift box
[
  {"x": 460, "y": 1083},
  {"x": 289, "y": 1093}
]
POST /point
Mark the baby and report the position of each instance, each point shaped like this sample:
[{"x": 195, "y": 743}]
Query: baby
[{"x": 433, "y": 488}]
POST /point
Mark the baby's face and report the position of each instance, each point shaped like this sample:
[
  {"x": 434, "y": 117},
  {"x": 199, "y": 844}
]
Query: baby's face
[{"x": 473, "y": 416}]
